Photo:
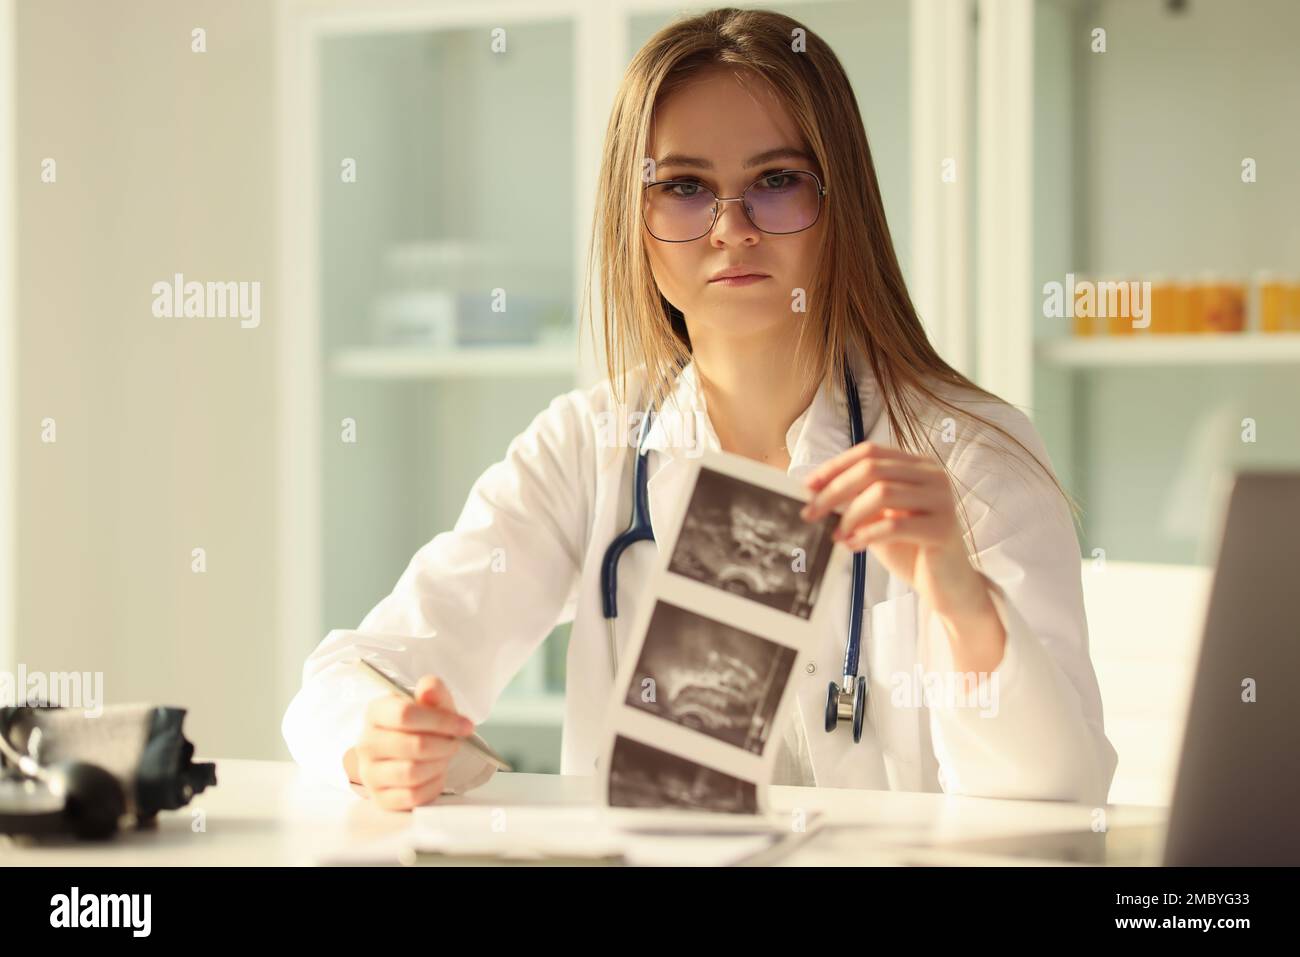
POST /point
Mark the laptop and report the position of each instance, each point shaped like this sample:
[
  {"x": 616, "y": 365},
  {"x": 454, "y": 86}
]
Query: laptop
[{"x": 1238, "y": 782}]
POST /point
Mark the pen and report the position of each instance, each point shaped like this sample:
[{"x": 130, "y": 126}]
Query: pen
[{"x": 474, "y": 741}]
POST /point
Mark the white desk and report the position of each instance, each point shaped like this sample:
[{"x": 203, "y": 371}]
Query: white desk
[{"x": 271, "y": 813}]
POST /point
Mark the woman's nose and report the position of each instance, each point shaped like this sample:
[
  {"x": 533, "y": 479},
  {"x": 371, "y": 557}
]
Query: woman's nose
[{"x": 733, "y": 222}]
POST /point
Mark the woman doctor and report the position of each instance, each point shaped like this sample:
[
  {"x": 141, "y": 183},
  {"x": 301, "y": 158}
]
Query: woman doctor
[{"x": 744, "y": 260}]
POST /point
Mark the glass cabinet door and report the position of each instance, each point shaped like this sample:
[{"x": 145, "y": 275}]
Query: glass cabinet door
[
  {"x": 1164, "y": 154},
  {"x": 447, "y": 316}
]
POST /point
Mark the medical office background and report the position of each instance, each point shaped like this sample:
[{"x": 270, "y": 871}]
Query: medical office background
[{"x": 378, "y": 167}]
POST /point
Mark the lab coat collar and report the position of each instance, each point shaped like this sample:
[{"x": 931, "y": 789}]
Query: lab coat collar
[{"x": 681, "y": 427}]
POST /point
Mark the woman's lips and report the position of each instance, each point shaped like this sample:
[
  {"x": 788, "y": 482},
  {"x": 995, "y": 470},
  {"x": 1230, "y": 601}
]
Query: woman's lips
[{"x": 738, "y": 280}]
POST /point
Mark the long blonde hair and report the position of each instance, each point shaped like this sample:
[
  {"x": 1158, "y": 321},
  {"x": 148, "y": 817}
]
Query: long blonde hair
[{"x": 858, "y": 300}]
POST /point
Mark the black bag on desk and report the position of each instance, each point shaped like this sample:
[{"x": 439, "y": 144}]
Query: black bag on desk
[{"x": 65, "y": 772}]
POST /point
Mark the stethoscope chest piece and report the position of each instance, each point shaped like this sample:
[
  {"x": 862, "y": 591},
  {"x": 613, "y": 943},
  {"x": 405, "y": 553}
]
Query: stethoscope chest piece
[{"x": 848, "y": 703}]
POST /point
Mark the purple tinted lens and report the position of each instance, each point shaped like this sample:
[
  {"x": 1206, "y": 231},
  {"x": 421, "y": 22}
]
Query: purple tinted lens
[
  {"x": 783, "y": 202},
  {"x": 678, "y": 211}
]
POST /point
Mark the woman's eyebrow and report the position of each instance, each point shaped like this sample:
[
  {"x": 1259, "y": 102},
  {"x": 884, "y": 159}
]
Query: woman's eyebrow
[{"x": 781, "y": 152}]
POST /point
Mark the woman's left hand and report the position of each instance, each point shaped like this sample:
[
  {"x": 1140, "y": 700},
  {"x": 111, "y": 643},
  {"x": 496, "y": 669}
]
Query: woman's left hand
[{"x": 900, "y": 506}]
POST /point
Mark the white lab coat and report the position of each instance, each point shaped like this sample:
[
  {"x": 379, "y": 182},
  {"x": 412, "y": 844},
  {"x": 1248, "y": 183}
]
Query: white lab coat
[{"x": 526, "y": 552}]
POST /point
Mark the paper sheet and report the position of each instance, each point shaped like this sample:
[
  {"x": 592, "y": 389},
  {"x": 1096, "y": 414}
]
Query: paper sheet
[{"x": 523, "y": 833}]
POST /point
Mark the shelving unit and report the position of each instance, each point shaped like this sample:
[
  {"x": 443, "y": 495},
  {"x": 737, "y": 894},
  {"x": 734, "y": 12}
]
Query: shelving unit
[
  {"x": 1137, "y": 152},
  {"x": 1102, "y": 352},
  {"x": 439, "y": 215},
  {"x": 1068, "y": 161},
  {"x": 423, "y": 364}
]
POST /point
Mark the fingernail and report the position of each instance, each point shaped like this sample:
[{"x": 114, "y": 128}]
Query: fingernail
[{"x": 466, "y": 726}]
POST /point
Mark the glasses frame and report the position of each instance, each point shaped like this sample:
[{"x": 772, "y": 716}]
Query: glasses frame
[{"x": 719, "y": 200}]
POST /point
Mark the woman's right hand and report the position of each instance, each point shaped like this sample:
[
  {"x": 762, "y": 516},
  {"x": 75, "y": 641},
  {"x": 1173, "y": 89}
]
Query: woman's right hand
[{"x": 406, "y": 746}]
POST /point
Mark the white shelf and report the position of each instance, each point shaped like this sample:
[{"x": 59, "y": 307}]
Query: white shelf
[
  {"x": 1144, "y": 349},
  {"x": 413, "y": 362},
  {"x": 544, "y": 709}
]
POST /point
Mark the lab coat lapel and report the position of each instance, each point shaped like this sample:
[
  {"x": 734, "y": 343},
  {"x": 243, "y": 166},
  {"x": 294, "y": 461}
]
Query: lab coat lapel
[
  {"x": 891, "y": 652},
  {"x": 666, "y": 490},
  {"x": 679, "y": 434}
]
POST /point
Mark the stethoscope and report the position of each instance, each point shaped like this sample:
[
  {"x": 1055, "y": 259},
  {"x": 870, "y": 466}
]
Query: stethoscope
[{"x": 844, "y": 702}]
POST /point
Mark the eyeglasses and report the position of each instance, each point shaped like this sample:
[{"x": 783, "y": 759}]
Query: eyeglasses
[{"x": 780, "y": 202}]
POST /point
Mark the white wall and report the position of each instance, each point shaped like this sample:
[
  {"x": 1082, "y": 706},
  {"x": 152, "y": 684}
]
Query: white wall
[
  {"x": 8, "y": 342},
  {"x": 165, "y": 436}
]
